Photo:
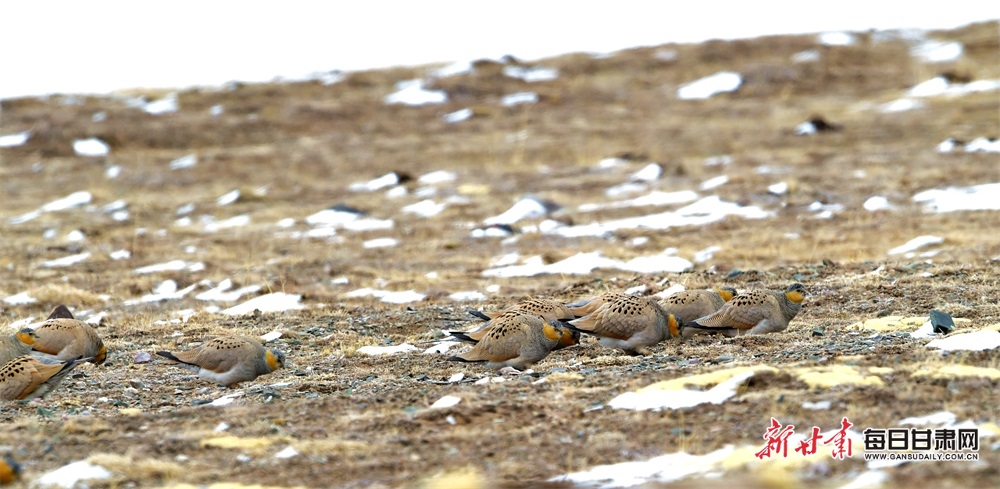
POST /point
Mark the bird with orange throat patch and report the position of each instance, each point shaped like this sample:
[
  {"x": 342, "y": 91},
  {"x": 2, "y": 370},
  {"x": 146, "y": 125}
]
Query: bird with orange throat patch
[
  {"x": 688, "y": 305},
  {"x": 64, "y": 337},
  {"x": 752, "y": 312},
  {"x": 228, "y": 360},
  {"x": 549, "y": 310},
  {"x": 630, "y": 323},
  {"x": 518, "y": 339},
  {"x": 10, "y": 470}
]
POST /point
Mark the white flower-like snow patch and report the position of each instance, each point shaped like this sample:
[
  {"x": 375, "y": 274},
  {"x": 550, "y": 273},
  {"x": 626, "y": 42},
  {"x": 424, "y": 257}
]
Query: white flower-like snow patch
[
  {"x": 184, "y": 162},
  {"x": 437, "y": 176},
  {"x": 986, "y": 339},
  {"x": 425, "y": 208},
  {"x": 225, "y": 400},
  {"x": 216, "y": 110},
  {"x": 20, "y": 298},
  {"x": 228, "y": 198},
  {"x": 269, "y": 337},
  {"x": 901, "y": 105},
  {"x": 531, "y": 74},
  {"x": 468, "y": 295},
  {"x": 331, "y": 217},
  {"x": 665, "y": 468},
  {"x": 66, "y": 260},
  {"x": 607, "y": 163},
  {"x": 654, "y": 198},
  {"x": 161, "y": 106},
  {"x": 113, "y": 171},
  {"x": 387, "y": 180},
  {"x": 915, "y": 244},
  {"x": 527, "y": 208},
  {"x": 648, "y": 173},
  {"x": 68, "y": 476},
  {"x": 412, "y": 92},
  {"x": 817, "y": 406},
  {"x": 721, "y": 82},
  {"x": 721, "y": 160},
  {"x": 446, "y": 402},
  {"x": 976, "y": 197},
  {"x": 713, "y": 182},
  {"x": 660, "y": 399},
  {"x": 519, "y": 98},
  {"x": 221, "y": 292},
  {"x": 91, "y": 147},
  {"x": 170, "y": 266},
  {"x": 457, "y": 116},
  {"x": 273, "y": 302},
  {"x": 75, "y": 235},
  {"x": 825, "y": 211},
  {"x": 387, "y": 350},
  {"x": 940, "y": 86},
  {"x": 13, "y": 140},
  {"x": 380, "y": 243},
  {"x": 403, "y": 297},
  {"x": 836, "y": 39},
  {"x": 931, "y": 51},
  {"x": 877, "y": 203}
]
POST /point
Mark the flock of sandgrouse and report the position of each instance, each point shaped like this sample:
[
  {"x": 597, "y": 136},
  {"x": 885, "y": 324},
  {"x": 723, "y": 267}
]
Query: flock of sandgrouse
[{"x": 38, "y": 357}]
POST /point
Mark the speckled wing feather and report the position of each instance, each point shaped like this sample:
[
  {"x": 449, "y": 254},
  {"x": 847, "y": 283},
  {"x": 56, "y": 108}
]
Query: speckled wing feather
[
  {"x": 503, "y": 340},
  {"x": 27, "y": 377},
  {"x": 586, "y": 307},
  {"x": 743, "y": 312},
  {"x": 689, "y": 305},
  {"x": 69, "y": 338},
  {"x": 11, "y": 347},
  {"x": 620, "y": 319}
]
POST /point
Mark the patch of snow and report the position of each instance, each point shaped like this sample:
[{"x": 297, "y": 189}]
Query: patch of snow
[
  {"x": 74, "y": 199},
  {"x": 807, "y": 56},
  {"x": 166, "y": 290},
  {"x": 985, "y": 339},
  {"x": 976, "y": 197},
  {"x": 387, "y": 180},
  {"x": 655, "y": 399},
  {"x": 940, "y": 418},
  {"x": 457, "y": 116},
  {"x": 584, "y": 263},
  {"x": 112, "y": 172},
  {"x": 468, "y": 295},
  {"x": 877, "y": 203},
  {"x": 721, "y": 160},
  {"x": 120, "y": 255},
  {"x": 916, "y": 243},
  {"x": 20, "y": 299},
  {"x": 412, "y": 92},
  {"x": 983, "y": 145},
  {"x": 721, "y": 82},
  {"x": 425, "y": 208},
  {"x": 269, "y": 337},
  {"x": 706, "y": 254},
  {"x": 66, "y": 260},
  {"x": 216, "y": 110},
  {"x": 92, "y": 147},
  {"x": 901, "y": 105},
  {"x": 780, "y": 188},
  {"x": 380, "y": 243},
  {"x": 99, "y": 116},
  {"x": 387, "y": 350},
  {"x": 437, "y": 176},
  {"x": 287, "y": 452},
  {"x": 527, "y": 208},
  {"x": 273, "y": 302},
  {"x": 225, "y": 400},
  {"x": 665, "y": 468},
  {"x": 221, "y": 292},
  {"x": 531, "y": 74},
  {"x": 75, "y": 235},
  {"x": 446, "y": 402},
  {"x": 170, "y": 266},
  {"x": 648, "y": 173},
  {"x": 519, "y": 98},
  {"x": 817, "y": 406},
  {"x": 164, "y": 105},
  {"x": 931, "y": 51},
  {"x": 456, "y": 68},
  {"x": 184, "y": 162},
  {"x": 805, "y": 129},
  {"x": 15, "y": 139},
  {"x": 713, "y": 182},
  {"x": 654, "y": 198},
  {"x": 836, "y": 39},
  {"x": 228, "y": 198},
  {"x": 442, "y": 347},
  {"x": 69, "y": 475},
  {"x": 233, "y": 222}
]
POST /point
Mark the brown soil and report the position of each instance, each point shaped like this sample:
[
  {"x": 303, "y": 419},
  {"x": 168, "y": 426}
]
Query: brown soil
[{"x": 361, "y": 421}]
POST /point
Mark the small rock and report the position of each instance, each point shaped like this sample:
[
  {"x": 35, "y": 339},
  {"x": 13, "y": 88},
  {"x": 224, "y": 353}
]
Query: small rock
[
  {"x": 942, "y": 322},
  {"x": 819, "y": 331},
  {"x": 735, "y": 272},
  {"x": 201, "y": 402},
  {"x": 724, "y": 358},
  {"x": 143, "y": 357},
  {"x": 136, "y": 384}
]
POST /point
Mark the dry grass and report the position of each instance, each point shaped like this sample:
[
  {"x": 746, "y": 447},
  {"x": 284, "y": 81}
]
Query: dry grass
[{"x": 362, "y": 421}]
